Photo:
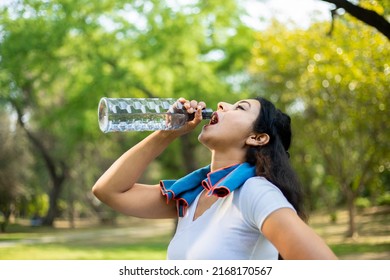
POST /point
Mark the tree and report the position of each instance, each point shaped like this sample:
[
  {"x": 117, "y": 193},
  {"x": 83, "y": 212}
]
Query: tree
[
  {"x": 59, "y": 57},
  {"x": 337, "y": 91}
]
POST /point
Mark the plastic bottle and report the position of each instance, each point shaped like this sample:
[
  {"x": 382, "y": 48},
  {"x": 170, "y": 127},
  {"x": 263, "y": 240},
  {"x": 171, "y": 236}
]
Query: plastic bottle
[{"x": 143, "y": 114}]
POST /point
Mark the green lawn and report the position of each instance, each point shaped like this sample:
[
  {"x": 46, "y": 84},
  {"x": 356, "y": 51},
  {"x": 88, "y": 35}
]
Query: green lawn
[
  {"x": 360, "y": 248},
  {"x": 148, "y": 240},
  {"x": 132, "y": 242},
  {"x": 143, "y": 251}
]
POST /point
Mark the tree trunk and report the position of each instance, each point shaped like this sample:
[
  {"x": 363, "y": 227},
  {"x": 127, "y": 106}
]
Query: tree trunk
[
  {"x": 4, "y": 224},
  {"x": 54, "y": 195},
  {"x": 352, "y": 232},
  {"x": 71, "y": 209}
]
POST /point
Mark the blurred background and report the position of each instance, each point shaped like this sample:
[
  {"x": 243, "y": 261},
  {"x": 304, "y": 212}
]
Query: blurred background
[{"x": 326, "y": 63}]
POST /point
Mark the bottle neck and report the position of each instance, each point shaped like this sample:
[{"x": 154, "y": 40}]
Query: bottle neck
[{"x": 206, "y": 114}]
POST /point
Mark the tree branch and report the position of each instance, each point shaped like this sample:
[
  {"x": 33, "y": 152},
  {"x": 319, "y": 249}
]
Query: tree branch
[
  {"x": 333, "y": 14},
  {"x": 369, "y": 17}
]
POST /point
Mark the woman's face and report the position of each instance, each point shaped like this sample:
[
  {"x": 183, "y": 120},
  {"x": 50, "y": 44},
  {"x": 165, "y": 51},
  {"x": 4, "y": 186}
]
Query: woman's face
[{"x": 231, "y": 125}]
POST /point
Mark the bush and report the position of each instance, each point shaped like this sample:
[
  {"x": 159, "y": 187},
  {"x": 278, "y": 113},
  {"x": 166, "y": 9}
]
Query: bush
[
  {"x": 384, "y": 199},
  {"x": 362, "y": 202}
]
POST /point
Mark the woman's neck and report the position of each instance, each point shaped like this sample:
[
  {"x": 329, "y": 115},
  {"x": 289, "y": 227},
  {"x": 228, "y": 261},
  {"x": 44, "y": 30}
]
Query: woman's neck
[{"x": 220, "y": 160}]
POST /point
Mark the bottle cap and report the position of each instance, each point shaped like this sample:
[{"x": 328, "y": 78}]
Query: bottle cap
[{"x": 207, "y": 113}]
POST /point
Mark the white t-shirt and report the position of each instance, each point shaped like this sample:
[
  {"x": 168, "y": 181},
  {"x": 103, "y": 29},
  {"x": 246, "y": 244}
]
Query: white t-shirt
[{"x": 230, "y": 228}]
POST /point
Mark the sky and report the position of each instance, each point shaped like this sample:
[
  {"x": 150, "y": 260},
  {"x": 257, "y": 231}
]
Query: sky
[{"x": 301, "y": 12}]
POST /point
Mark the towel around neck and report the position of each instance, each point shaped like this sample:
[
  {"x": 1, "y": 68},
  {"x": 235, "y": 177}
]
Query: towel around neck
[{"x": 220, "y": 183}]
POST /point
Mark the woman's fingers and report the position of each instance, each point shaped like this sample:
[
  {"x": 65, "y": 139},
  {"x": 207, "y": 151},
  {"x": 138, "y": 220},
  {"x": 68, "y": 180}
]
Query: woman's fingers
[{"x": 191, "y": 106}]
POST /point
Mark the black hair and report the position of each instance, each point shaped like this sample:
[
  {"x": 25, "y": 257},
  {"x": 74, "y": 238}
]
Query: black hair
[{"x": 272, "y": 159}]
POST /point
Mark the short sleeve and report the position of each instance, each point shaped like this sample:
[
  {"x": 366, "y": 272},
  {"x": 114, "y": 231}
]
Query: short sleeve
[{"x": 258, "y": 199}]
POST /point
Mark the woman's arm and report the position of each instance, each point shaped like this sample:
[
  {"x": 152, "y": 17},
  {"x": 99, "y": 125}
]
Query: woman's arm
[
  {"x": 293, "y": 238},
  {"x": 118, "y": 187}
]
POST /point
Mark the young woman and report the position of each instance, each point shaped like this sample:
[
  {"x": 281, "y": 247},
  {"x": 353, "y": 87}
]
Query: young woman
[{"x": 247, "y": 204}]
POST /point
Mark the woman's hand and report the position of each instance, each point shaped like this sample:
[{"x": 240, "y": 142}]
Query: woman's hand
[{"x": 192, "y": 107}]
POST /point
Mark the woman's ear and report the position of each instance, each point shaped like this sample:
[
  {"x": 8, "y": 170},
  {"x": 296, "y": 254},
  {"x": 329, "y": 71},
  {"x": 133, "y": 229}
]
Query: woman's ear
[{"x": 257, "y": 139}]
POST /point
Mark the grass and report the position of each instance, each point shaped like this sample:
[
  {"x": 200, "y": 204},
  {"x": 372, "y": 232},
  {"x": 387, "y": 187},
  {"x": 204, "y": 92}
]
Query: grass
[
  {"x": 144, "y": 251},
  {"x": 350, "y": 249},
  {"x": 136, "y": 239}
]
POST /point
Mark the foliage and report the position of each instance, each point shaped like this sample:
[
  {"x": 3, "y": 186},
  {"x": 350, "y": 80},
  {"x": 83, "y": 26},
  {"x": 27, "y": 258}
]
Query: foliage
[
  {"x": 372, "y": 12},
  {"x": 59, "y": 57},
  {"x": 384, "y": 199},
  {"x": 362, "y": 202},
  {"x": 337, "y": 92}
]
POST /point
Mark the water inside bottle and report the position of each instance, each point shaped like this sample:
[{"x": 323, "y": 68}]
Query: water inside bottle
[{"x": 146, "y": 122}]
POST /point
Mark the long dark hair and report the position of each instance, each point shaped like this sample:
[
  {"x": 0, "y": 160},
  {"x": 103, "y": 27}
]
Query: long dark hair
[{"x": 272, "y": 159}]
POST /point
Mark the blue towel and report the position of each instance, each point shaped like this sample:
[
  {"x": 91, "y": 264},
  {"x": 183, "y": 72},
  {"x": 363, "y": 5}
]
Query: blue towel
[{"x": 220, "y": 183}]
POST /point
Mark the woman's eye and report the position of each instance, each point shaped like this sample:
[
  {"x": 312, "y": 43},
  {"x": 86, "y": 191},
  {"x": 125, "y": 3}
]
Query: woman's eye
[{"x": 240, "y": 107}]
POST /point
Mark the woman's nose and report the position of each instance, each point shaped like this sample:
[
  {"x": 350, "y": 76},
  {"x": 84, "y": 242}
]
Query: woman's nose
[{"x": 223, "y": 106}]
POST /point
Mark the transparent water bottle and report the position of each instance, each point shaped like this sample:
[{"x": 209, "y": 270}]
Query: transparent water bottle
[{"x": 143, "y": 114}]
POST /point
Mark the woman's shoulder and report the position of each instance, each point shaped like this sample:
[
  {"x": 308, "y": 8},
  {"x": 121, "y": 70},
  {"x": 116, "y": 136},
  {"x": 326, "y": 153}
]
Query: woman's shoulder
[
  {"x": 257, "y": 198},
  {"x": 259, "y": 188},
  {"x": 259, "y": 183}
]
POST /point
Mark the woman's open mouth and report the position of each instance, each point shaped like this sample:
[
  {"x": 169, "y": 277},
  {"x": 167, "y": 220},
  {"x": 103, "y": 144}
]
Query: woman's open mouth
[{"x": 214, "y": 119}]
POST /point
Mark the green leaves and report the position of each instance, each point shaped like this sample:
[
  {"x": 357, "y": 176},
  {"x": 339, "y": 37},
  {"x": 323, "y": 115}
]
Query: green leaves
[
  {"x": 336, "y": 90},
  {"x": 58, "y": 58}
]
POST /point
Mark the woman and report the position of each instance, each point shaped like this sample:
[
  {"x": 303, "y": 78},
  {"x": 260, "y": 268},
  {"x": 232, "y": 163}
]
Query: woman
[{"x": 247, "y": 204}]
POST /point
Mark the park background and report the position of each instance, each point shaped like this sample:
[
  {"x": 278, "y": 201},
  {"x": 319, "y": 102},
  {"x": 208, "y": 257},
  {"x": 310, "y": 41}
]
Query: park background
[{"x": 330, "y": 70}]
